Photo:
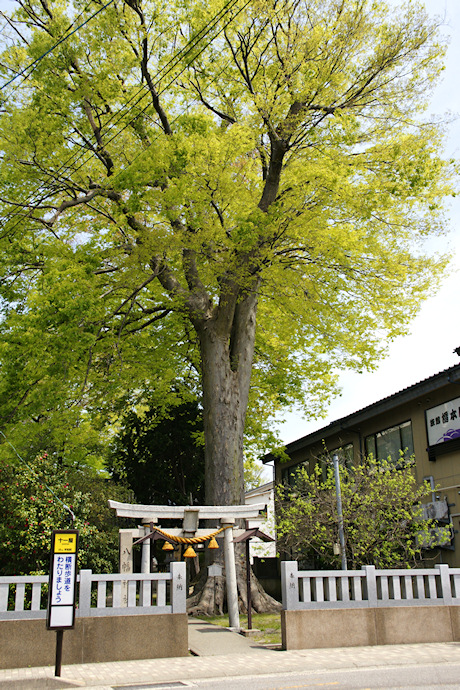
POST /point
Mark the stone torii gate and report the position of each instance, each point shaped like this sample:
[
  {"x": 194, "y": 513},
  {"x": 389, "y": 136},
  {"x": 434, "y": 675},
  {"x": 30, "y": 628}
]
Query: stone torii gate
[{"x": 190, "y": 516}]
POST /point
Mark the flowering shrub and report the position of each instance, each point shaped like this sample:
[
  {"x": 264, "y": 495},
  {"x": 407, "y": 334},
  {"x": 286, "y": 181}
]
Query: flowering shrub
[{"x": 29, "y": 511}]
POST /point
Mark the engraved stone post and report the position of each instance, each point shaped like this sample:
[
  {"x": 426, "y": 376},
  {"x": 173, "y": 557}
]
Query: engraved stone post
[
  {"x": 126, "y": 561},
  {"x": 445, "y": 583},
  {"x": 290, "y": 585},
  {"x": 371, "y": 583},
  {"x": 178, "y": 587}
]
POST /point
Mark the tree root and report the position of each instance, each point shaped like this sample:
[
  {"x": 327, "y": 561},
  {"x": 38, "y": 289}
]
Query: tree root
[{"x": 210, "y": 596}]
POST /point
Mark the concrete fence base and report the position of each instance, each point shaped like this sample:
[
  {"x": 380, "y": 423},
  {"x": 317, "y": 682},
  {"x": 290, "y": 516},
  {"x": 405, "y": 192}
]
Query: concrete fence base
[
  {"x": 312, "y": 629},
  {"x": 113, "y": 638}
]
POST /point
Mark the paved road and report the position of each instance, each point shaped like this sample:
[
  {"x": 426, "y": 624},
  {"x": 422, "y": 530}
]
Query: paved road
[{"x": 427, "y": 677}]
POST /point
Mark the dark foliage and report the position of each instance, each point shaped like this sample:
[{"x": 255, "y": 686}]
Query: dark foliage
[{"x": 161, "y": 460}]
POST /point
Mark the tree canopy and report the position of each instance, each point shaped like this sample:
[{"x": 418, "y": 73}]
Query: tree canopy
[
  {"x": 232, "y": 194},
  {"x": 161, "y": 458}
]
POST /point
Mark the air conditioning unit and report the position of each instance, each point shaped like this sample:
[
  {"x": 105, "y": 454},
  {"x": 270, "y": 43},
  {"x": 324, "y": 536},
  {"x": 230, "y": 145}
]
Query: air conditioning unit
[
  {"x": 435, "y": 510},
  {"x": 437, "y": 536}
]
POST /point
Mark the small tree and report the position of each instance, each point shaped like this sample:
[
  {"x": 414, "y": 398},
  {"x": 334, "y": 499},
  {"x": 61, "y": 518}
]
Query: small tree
[{"x": 381, "y": 513}]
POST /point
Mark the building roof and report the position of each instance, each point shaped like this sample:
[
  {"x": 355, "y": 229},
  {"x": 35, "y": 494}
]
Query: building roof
[
  {"x": 263, "y": 489},
  {"x": 406, "y": 395}
]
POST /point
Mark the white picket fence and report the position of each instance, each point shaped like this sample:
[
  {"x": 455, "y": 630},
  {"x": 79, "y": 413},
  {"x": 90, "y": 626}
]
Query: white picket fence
[
  {"x": 369, "y": 587},
  {"x": 99, "y": 595}
]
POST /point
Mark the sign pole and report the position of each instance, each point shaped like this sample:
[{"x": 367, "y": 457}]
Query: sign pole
[
  {"x": 58, "y": 662},
  {"x": 62, "y": 585},
  {"x": 343, "y": 552},
  {"x": 248, "y": 581},
  {"x": 246, "y": 537}
]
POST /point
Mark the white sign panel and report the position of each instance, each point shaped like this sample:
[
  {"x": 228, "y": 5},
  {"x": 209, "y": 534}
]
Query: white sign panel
[
  {"x": 443, "y": 422},
  {"x": 63, "y": 572},
  {"x": 63, "y": 579},
  {"x": 61, "y": 617}
]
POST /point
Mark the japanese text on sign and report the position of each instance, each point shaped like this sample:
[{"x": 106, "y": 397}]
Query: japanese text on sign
[
  {"x": 63, "y": 579},
  {"x": 63, "y": 567},
  {"x": 443, "y": 422}
]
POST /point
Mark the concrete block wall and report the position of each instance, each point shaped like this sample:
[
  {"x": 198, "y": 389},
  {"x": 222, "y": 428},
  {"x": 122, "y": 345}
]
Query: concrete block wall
[
  {"x": 328, "y": 628},
  {"x": 113, "y": 638}
]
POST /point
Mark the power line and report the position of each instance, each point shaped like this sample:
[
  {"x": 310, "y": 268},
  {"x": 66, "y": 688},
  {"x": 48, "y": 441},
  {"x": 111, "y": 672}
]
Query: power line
[
  {"x": 170, "y": 65},
  {"x": 50, "y": 50},
  {"x": 74, "y": 158},
  {"x": 163, "y": 90}
]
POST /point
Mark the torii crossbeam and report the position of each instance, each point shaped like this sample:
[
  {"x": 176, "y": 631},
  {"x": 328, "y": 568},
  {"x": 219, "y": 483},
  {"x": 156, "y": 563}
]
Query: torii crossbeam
[{"x": 190, "y": 516}]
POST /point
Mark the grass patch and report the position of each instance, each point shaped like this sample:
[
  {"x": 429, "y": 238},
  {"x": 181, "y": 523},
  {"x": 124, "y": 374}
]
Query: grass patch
[{"x": 269, "y": 625}]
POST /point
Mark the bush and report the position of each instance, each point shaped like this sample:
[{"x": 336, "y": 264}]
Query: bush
[
  {"x": 381, "y": 515},
  {"x": 32, "y": 504}
]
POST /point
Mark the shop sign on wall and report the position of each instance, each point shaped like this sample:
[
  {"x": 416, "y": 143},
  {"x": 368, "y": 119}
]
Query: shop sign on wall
[
  {"x": 63, "y": 576},
  {"x": 443, "y": 422}
]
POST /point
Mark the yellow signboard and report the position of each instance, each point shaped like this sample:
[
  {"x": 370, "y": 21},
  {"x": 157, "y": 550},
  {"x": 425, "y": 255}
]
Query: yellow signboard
[{"x": 65, "y": 543}]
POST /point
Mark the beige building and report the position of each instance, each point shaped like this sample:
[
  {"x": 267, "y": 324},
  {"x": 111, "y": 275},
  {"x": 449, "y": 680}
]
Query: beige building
[{"x": 423, "y": 420}]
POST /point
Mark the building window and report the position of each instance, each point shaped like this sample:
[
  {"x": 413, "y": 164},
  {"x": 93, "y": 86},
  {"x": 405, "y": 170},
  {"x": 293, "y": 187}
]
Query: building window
[
  {"x": 390, "y": 442},
  {"x": 345, "y": 453},
  {"x": 289, "y": 474}
]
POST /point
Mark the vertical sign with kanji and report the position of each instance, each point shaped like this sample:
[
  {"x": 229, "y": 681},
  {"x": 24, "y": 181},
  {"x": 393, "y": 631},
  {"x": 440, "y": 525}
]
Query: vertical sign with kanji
[{"x": 63, "y": 577}]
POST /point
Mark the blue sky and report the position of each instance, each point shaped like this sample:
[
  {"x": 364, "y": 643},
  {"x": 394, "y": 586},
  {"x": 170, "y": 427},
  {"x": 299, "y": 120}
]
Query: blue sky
[{"x": 435, "y": 332}]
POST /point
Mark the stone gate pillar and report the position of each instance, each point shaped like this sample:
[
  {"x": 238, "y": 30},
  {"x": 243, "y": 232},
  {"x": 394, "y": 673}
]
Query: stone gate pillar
[{"x": 230, "y": 574}]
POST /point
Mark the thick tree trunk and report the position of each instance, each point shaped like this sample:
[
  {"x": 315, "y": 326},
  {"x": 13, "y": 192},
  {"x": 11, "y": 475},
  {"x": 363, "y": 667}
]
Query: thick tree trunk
[
  {"x": 223, "y": 425},
  {"x": 209, "y": 595},
  {"x": 227, "y": 351}
]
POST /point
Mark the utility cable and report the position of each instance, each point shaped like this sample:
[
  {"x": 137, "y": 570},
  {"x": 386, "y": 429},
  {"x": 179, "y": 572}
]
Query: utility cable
[
  {"x": 141, "y": 153},
  {"x": 163, "y": 73},
  {"x": 160, "y": 92},
  {"x": 171, "y": 64},
  {"x": 50, "y": 50}
]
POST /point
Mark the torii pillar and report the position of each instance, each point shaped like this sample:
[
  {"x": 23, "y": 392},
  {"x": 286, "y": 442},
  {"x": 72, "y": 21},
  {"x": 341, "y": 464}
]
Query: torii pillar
[
  {"x": 230, "y": 574},
  {"x": 226, "y": 515}
]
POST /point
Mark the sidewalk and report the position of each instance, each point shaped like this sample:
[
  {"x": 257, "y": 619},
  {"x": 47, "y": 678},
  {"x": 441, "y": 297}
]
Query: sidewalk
[{"x": 225, "y": 654}]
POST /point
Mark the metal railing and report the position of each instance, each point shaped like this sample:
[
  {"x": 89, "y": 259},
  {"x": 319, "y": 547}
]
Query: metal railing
[
  {"x": 369, "y": 587},
  {"x": 122, "y": 594}
]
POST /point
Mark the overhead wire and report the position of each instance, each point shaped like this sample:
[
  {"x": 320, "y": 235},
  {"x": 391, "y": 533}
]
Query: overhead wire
[
  {"x": 53, "y": 47},
  {"x": 161, "y": 91},
  {"x": 170, "y": 65},
  {"x": 142, "y": 152}
]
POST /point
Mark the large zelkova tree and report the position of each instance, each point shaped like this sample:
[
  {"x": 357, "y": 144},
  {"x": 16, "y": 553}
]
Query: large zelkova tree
[{"x": 236, "y": 193}]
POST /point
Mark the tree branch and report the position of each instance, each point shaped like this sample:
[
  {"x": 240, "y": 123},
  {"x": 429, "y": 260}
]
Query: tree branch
[{"x": 102, "y": 153}]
